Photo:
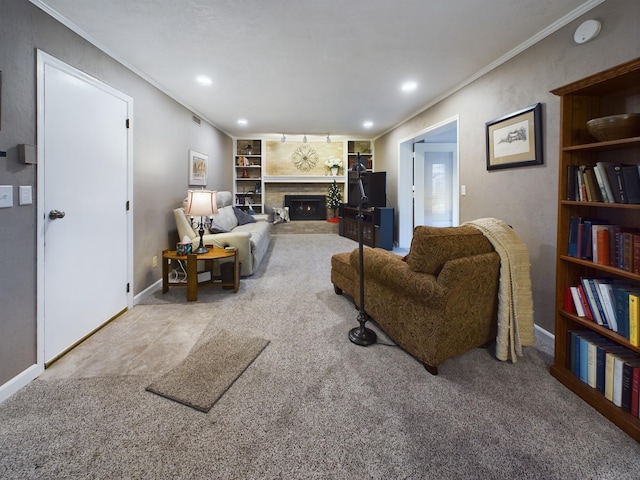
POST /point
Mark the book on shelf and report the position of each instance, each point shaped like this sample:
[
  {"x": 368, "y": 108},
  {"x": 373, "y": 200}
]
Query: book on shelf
[
  {"x": 628, "y": 367},
  {"x": 631, "y": 183},
  {"x": 600, "y": 244},
  {"x": 614, "y": 173},
  {"x": 605, "y": 366},
  {"x": 603, "y": 181},
  {"x": 577, "y": 302},
  {"x": 591, "y": 184},
  {"x": 626, "y": 254},
  {"x": 594, "y": 301},
  {"x": 634, "y": 317},
  {"x": 620, "y": 390},
  {"x": 605, "y": 244},
  {"x": 569, "y": 306},
  {"x": 585, "y": 302},
  {"x": 608, "y": 182},
  {"x": 615, "y": 358},
  {"x": 635, "y": 390},
  {"x": 608, "y": 302},
  {"x": 621, "y": 298},
  {"x": 586, "y": 246},
  {"x": 635, "y": 255},
  {"x": 574, "y": 224}
]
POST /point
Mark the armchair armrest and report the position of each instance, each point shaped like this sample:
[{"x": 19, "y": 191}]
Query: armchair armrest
[{"x": 472, "y": 297}]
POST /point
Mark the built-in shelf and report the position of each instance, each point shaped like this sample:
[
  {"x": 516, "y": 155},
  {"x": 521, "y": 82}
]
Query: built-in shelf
[{"x": 247, "y": 174}]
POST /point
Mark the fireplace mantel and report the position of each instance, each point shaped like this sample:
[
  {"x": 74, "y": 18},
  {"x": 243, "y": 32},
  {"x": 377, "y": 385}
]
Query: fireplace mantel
[{"x": 304, "y": 179}]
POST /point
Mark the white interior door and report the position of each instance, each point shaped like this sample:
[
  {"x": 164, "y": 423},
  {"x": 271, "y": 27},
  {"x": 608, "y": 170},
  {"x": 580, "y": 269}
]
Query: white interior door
[
  {"x": 438, "y": 138},
  {"x": 84, "y": 163},
  {"x": 434, "y": 184}
]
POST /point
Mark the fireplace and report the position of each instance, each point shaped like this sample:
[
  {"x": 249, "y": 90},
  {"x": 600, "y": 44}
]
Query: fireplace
[{"x": 306, "y": 207}]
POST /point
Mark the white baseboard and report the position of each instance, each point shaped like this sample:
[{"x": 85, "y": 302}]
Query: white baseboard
[
  {"x": 545, "y": 340},
  {"x": 19, "y": 381},
  {"x": 147, "y": 292}
]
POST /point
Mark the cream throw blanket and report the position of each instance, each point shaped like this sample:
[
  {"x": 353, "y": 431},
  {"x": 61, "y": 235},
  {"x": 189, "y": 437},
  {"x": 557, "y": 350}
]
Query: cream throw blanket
[{"x": 515, "y": 303}]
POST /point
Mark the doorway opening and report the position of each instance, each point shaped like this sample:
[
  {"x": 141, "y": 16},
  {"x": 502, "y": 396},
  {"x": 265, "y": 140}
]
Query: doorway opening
[{"x": 428, "y": 179}]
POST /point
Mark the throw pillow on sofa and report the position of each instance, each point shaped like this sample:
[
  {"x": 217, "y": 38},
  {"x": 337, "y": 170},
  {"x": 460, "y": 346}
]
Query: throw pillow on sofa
[
  {"x": 243, "y": 217},
  {"x": 225, "y": 218},
  {"x": 215, "y": 228}
]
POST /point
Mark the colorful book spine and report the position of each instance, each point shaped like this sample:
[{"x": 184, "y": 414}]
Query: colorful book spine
[
  {"x": 635, "y": 262},
  {"x": 634, "y": 318},
  {"x": 577, "y": 302},
  {"x": 585, "y": 302},
  {"x": 569, "y": 306},
  {"x": 608, "y": 367},
  {"x": 635, "y": 390},
  {"x": 572, "y": 249},
  {"x": 594, "y": 301},
  {"x": 606, "y": 296},
  {"x": 621, "y": 295}
]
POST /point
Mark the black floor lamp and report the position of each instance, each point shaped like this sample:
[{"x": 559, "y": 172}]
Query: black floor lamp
[{"x": 361, "y": 335}]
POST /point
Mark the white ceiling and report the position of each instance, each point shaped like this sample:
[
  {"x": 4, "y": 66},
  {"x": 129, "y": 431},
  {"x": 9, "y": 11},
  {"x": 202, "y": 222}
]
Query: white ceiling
[{"x": 312, "y": 66}]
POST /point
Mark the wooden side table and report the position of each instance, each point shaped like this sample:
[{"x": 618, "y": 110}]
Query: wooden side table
[{"x": 192, "y": 283}]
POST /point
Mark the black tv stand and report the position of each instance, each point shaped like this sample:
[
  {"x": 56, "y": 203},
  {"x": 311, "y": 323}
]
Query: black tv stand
[{"x": 377, "y": 225}]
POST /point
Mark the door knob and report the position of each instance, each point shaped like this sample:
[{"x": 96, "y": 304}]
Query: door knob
[{"x": 53, "y": 214}]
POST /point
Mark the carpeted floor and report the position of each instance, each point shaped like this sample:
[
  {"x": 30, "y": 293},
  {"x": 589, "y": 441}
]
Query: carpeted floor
[{"x": 313, "y": 405}]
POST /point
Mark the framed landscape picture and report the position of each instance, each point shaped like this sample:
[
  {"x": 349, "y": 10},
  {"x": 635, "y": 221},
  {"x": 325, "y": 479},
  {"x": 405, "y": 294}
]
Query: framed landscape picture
[
  {"x": 198, "y": 163},
  {"x": 515, "y": 140}
]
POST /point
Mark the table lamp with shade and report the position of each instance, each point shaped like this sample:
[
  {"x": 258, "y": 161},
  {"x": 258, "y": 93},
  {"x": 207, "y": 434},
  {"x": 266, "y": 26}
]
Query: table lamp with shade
[{"x": 203, "y": 204}]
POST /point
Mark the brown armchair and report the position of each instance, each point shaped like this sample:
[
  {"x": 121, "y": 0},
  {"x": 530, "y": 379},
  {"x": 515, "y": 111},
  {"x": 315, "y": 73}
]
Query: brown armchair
[{"x": 438, "y": 302}]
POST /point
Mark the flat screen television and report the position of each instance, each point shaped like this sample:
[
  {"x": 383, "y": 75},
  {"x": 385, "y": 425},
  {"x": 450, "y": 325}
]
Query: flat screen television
[{"x": 375, "y": 188}]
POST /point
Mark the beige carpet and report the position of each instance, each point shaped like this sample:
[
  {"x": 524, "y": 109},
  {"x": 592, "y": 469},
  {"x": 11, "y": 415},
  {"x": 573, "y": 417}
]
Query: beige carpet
[
  {"x": 312, "y": 405},
  {"x": 209, "y": 370}
]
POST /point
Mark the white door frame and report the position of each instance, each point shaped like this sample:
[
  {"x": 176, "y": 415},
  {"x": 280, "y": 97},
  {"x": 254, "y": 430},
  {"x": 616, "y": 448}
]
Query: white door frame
[
  {"x": 405, "y": 180},
  {"x": 42, "y": 60},
  {"x": 426, "y": 149}
]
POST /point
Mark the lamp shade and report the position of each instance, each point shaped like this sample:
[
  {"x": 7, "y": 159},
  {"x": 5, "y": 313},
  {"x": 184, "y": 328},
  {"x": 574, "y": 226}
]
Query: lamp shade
[{"x": 201, "y": 203}]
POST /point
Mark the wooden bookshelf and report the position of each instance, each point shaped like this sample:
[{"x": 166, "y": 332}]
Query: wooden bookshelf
[{"x": 613, "y": 91}]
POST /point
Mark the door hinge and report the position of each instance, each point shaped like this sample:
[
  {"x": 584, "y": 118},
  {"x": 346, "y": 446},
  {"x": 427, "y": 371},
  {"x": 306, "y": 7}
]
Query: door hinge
[
  {"x": 127, "y": 123},
  {"x": 127, "y": 206},
  {"x": 128, "y": 287}
]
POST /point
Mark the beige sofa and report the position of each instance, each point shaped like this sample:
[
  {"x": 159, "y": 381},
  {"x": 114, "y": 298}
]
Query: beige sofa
[{"x": 251, "y": 239}]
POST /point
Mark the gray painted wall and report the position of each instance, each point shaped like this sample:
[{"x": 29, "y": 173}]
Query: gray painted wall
[
  {"x": 163, "y": 134},
  {"x": 523, "y": 197}
]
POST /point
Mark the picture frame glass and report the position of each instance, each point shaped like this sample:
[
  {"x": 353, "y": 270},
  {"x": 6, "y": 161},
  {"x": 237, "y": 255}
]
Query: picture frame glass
[
  {"x": 198, "y": 166},
  {"x": 515, "y": 140}
]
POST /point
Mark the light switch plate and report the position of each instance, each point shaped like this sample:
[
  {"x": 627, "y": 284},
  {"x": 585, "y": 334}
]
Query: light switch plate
[
  {"x": 25, "y": 195},
  {"x": 6, "y": 196}
]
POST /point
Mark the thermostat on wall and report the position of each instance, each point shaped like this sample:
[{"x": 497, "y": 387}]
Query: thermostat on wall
[{"x": 587, "y": 31}]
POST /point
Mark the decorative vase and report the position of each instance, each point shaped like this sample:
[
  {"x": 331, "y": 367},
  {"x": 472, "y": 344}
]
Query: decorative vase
[{"x": 334, "y": 171}]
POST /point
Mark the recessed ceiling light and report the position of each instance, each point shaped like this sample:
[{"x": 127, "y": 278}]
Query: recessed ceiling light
[
  {"x": 409, "y": 86},
  {"x": 242, "y": 121},
  {"x": 367, "y": 124},
  {"x": 203, "y": 80}
]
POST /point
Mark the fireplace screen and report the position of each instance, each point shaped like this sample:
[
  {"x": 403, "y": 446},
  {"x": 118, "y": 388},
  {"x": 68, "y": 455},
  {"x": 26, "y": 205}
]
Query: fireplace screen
[{"x": 306, "y": 207}]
